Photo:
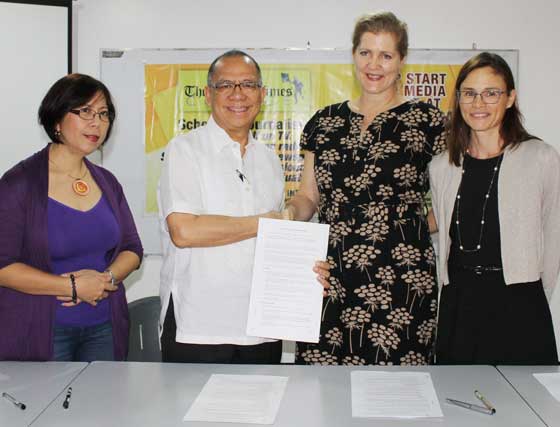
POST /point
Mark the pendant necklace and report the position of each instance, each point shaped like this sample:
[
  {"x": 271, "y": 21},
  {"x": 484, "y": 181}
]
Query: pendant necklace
[
  {"x": 80, "y": 187},
  {"x": 485, "y": 203}
]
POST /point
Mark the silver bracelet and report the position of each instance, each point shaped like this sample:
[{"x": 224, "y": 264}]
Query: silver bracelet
[{"x": 112, "y": 277}]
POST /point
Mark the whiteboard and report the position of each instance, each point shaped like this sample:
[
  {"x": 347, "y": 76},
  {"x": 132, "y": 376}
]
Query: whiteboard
[
  {"x": 35, "y": 49},
  {"x": 122, "y": 70}
]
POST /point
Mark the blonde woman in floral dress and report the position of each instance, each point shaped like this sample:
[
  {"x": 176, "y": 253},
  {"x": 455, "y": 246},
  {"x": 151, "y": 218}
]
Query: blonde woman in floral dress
[{"x": 365, "y": 173}]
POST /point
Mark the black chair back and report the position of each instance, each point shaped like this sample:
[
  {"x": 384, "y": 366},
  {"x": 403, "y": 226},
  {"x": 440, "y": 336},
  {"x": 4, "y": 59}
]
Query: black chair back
[{"x": 143, "y": 341}]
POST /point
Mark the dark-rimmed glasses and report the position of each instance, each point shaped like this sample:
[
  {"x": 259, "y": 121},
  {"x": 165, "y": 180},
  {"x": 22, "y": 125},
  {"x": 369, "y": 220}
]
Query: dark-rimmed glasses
[
  {"x": 88, "y": 113},
  {"x": 227, "y": 87},
  {"x": 488, "y": 96}
]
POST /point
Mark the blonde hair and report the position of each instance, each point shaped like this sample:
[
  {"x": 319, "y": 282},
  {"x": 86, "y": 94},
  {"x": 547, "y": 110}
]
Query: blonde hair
[{"x": 381, "y": 22}]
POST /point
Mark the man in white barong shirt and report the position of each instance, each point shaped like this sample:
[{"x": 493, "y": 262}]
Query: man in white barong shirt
[{"x": 216, "y": 182}]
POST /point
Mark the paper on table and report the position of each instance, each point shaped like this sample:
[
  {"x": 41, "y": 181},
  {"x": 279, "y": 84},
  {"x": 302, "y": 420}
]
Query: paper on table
[
  {"x": 286, "y": 298},
  {"x": 253, "y": 399},
  {"x": 383, "y": 394},
  {"x": 4, "y": 377},
  {"x": 551, "y": 381}
]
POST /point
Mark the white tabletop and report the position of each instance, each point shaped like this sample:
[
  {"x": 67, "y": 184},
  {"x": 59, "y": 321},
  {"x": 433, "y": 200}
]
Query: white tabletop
[
  {"x": 36, "y": 384},
  {"x": 154, "y": 394},
  {"x": 534, "y": 393}
]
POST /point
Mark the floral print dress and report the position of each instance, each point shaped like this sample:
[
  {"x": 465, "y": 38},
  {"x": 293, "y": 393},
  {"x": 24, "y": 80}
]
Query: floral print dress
[{"x": 382, "y": 303}]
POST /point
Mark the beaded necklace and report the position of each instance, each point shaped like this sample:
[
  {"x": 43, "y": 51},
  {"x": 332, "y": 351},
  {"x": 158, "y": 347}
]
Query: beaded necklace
[{"x": 486, "y": 197}]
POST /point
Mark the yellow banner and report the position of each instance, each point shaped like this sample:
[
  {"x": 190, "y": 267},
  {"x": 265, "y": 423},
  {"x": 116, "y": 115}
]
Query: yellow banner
[{"x": 175, "y": 104}]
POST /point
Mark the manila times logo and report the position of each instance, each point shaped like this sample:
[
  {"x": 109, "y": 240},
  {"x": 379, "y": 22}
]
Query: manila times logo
[{"x": 282, "y": 89}]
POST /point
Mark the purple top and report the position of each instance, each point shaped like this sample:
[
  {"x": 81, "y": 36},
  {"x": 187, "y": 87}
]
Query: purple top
[
  {"x": 26, "y": 321},
  {"x": 77, "y": 241}
]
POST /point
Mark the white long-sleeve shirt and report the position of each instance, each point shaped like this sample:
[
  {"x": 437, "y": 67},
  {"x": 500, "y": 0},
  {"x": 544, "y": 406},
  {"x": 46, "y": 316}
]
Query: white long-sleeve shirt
[{"x": 204, "y": 174}]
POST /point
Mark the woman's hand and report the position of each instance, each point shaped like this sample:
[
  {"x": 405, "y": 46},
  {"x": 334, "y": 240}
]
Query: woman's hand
[
  {"x": 68, "y": 301},
  {"x": 432, "y": 224},
  {"x": 322, "y": 268},
  {"x": 288, "y": 213},
  {"x": 91, "y": 286}
]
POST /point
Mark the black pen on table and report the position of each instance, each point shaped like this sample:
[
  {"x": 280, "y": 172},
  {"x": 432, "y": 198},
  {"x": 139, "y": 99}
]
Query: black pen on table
[
  {"x": 66, "y": 402},
  {"x": 471, "y": 406},
  {"x": 12, "y": 399},
  {"x": 480, "y": 397}
]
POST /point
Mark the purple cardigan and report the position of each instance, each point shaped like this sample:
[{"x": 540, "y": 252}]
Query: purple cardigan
[{"x": 26, "y": 321}]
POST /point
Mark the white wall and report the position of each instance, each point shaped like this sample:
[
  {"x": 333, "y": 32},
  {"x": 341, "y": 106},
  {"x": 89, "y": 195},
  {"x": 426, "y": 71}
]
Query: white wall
[
  {"x": 30, "y": 65},
  {"x": 530, "y": 27}
]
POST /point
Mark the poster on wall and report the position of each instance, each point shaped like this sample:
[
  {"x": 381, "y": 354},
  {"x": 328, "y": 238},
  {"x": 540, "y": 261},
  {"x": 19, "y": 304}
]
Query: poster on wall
[
  {"x": 175, "y": 105},
  {"x": 298, "y": 83}
]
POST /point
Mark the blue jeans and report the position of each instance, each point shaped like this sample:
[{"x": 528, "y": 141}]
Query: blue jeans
[{"x": 83, "y": 344}]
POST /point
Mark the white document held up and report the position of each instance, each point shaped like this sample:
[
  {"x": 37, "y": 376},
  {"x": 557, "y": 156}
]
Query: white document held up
[
  {"x": 286, "y": 298},
  {"x": 252, "y": 399},
  {"x": 380, "y": 394},
  {"x": 551, "y": 381}
]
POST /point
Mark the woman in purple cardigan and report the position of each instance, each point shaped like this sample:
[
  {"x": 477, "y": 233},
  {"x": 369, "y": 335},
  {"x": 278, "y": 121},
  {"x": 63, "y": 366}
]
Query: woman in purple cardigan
[{"x": 67, "y": 237}]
